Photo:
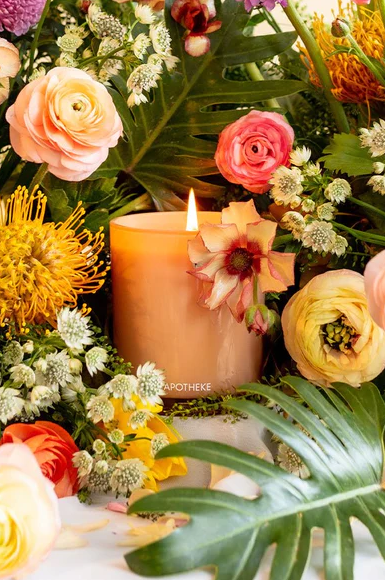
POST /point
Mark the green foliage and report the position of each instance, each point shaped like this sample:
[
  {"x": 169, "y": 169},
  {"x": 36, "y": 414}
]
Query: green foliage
[
  {"x": 346, "y": 155},
  {"x": 344, "y": 454},
  {"x": 171, "y": 141}
]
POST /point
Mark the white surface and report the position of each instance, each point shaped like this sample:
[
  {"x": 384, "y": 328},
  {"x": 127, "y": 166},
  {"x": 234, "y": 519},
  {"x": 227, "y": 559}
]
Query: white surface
[{"x": 102, "y": 559}]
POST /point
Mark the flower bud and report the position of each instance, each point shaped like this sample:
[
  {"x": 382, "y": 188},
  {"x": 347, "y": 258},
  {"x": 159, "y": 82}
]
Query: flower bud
[
  {"x": 28, "y": 347},
  {"x": 378, "y": 167},
  {"x": 261, "y": 320},
  {"x": 75, "y": 366},
  {"x": 341, "y": 27}
]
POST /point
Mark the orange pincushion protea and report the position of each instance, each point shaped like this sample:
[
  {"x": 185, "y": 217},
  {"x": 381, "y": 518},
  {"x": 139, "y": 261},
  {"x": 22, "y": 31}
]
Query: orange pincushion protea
[
  {"x": 44, "y": 266},
  {"x": 353, "y": 81}
]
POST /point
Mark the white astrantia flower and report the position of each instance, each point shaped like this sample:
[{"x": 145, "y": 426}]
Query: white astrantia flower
[
  {"x": 319, "y": 236},
  {"x": 139, "y": 419},
  {"x": 83, "y": 462},
  {"x": 312, "y": 169},
  {"x": 161, "y": 39},
  {"x": 105, "y": 25},
  {"x": 116, "y": 436},
  {"x": 95, "y": 359},
  {"x": 23, "y": 375},
  {"x": 378, "y": 184},
  {"x": 374, "y": 138},
  {"x": 287, "y": 186},
  {"x": 140, "y": 45},
  {"x": 338, "y": 190},
  {"x": 73, "y": 328},
  {"x": 300, "y": 156},
  {"x": 156, "y": 61},
  {"x": 308, "y": 205},
  {"x": 112, "y": 65},
  {"x": 121, "y": 386},
  {"x": 129, "y": 474},
  {"x": 28, "y": 347},
  {"x": 171, "y": 62},
  {"x": 44, "y": 397},
  {"x": 13, "y": 354},
  {"x": 98, "y": 481},
  {"x": 288, "y": 460},
  {"x": 57, "y": 371},
  {"x": 143, "y": 78},
  {"x": 30, "y": 410},
  {"x": 340, "y": 246},
  {"x": 294, "y": 222},
  {"x": 99, "y": 446},
  {"x": 144, "y": 14},
  {"x": 326, "y": 211},
  {"x": 101, "y": 467},
  {"x": 69, "y": 42},
  {"x": 70, "y": 393},
  {"x": 378, "y": 167},
  {"x": 159, "y": 441},
  {"x": 100, "y": 408},
  {"x": 11, "y": 405},
  {"x": 151, "y": 382}
]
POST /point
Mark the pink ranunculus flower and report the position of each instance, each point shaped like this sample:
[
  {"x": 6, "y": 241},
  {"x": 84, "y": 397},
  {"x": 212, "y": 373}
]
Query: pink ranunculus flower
[
  {"x": 230, "y": 257},
  {"x": 375, "y": 288},
  {"x": 361, "y": 2},
  {"x": 252, "y": 148},
  {"x": 65, "y": 119},
  {"x": 29, "y": 513}
]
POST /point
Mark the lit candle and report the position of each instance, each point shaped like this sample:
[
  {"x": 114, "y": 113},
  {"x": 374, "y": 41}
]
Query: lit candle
[{"x": 156, "y": 315}]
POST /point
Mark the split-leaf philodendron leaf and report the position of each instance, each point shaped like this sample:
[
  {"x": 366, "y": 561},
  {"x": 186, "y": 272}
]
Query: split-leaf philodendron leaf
[
  {"x": 164, "y": 149},
  {"x": 342, "y": 446}
]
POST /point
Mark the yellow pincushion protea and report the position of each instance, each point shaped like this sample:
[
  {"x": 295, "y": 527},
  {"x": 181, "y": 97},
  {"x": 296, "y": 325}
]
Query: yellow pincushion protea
[
  {"x": 44, "y": 266},
  {"x": 353, "y": 81}
]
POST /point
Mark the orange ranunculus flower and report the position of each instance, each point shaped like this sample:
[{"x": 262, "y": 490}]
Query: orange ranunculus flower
[
  {"x": 159, "y": 469},
  {"x": 53, "y": 448}
]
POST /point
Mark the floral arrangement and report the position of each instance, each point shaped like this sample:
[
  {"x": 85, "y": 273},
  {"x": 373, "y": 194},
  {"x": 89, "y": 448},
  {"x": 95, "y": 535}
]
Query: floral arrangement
[{"x": 110, "y": 107}]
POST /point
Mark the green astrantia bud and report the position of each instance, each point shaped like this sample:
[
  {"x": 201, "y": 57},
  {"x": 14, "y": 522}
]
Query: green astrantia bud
[
  {"x": 341, "y": 27},
  {"x": 261, "y": 320}
]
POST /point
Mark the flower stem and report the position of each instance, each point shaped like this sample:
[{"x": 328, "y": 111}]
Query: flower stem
[
  {"x": 37, "y": 36},
  {"x": 256, "y": 75},
  {"x": 320, "y": 66},
  {"x": 365, "y": 60},
  {"x": 39, "y": 176},
  {"x": 360, "y": 235},
  {"x": 368, "y": 206}
]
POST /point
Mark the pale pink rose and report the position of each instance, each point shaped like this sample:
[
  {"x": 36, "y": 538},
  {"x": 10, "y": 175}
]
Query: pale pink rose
[
  {"x": 252, "y": 148},
  {"x": 375, "y": 288},
  {"x": 65, "y": 119},
  {"x": 9, "y": 66},
  {"x": 231, "y": 257},
  {"x": 29, "y": 512}
]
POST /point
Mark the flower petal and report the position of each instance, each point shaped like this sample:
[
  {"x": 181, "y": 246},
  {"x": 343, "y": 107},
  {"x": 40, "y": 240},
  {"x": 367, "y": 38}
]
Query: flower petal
[
  {"x": 275, "y": 279},
  {"x": 240, "y": 213},
  {"x": 207, "y": 271},
  {"x": 224, "y": 285},
  {"x": 282, "y": 266},
  {"x": 219, "y": 238},
  {"x": 260, "y": 236},
  {"x": 197, "y": 251},
  {"x": 197, "y": 44}
]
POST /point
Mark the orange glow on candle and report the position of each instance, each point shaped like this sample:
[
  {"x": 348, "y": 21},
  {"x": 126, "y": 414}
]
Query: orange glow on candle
[{"x": 192, "y": 216}]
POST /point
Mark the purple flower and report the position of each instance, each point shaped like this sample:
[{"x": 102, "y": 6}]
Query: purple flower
[
  {"x": 268, "y": 4},
  {"x": 18, "y": 16}
]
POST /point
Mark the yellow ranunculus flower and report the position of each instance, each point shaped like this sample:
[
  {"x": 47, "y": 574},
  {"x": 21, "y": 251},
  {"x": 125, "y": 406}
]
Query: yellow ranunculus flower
[
  {"x": 159, "y": 469},
  {"x": 329, "y": 332},
  {"x": 29, "y": 515}
]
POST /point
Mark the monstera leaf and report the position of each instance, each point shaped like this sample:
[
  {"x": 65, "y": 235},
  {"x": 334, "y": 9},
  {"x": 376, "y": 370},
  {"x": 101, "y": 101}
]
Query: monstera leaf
[
  {"x": 170, "y": 144},
  {"x": 342, "y": 447}
]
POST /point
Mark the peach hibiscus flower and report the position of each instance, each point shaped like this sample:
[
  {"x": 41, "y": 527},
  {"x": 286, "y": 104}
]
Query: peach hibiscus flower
[
  {"x": 232, "y": 256},
  {"x": 65, "y": 119}
]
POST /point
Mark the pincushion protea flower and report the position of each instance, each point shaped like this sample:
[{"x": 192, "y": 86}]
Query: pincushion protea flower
[
  {"x": 44, "y": 266},
  {"x": 18, "y": 17},
  {"x": 230, "y": 257}
]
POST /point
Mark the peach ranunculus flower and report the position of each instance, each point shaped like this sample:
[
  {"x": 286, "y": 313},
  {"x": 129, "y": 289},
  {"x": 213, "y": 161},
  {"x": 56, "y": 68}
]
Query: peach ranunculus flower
[
  {"x": 29, "y": 514},
  {"x": 65, "y": 119},
  {"x": 53, "y": 448},
  {"x": 9, "y": 66},
  {"x": 375, "y": 288},
  {"x": 253, "y": 147},
  {"x": 232, "y": 256},
  {"x": 329, "y": 332}
]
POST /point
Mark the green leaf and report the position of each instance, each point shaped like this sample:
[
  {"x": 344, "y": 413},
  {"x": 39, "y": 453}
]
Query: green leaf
[
  {"x": 168, "y": 148},
  {"x": 58, "y": 204},
  {"x": 346, "y": 155},
  {"x": 341, "y": 444}
]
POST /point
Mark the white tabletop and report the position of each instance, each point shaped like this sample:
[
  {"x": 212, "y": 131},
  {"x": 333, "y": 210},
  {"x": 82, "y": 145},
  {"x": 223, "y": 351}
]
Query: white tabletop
[{"x": 102, "y": 558}]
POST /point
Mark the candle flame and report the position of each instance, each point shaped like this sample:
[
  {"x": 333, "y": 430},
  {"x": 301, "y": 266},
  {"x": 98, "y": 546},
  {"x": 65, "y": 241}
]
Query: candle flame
[{"x": 192, "y": 216}]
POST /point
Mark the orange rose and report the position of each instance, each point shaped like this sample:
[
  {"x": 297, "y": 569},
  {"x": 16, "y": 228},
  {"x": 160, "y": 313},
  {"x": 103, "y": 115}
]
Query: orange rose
[{"x": 53, "y": 448}]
